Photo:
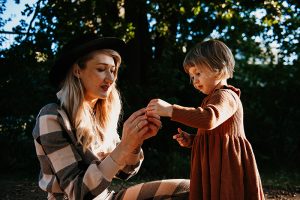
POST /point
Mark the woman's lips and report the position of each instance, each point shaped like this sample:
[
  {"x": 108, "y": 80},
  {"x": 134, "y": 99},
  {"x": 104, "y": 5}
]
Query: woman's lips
[{"x": 105, "y": 87}]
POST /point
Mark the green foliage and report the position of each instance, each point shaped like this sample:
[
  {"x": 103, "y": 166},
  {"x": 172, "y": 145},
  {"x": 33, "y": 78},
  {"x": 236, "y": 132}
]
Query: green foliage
[{"x": 158, "y": 35}]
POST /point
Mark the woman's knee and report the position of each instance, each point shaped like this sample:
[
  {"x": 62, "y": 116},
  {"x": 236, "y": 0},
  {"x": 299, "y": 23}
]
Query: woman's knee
[{"x": 161, "y": 189}]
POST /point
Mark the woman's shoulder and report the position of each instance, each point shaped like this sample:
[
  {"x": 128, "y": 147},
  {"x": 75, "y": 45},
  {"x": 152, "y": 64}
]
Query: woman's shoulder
[{"x": 49, "y": 109}]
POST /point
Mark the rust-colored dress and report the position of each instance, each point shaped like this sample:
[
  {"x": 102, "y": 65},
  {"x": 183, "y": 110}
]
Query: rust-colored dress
[{"x": 223, "y": 165}]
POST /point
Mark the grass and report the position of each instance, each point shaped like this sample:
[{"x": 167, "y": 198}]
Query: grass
[{"x": 281, "y": 179}]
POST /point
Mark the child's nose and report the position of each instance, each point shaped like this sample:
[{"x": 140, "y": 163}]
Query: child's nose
[{"x": 196, "y": 80}]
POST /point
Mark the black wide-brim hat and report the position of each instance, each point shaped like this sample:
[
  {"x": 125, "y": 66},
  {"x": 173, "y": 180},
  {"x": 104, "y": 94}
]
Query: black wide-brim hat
[{"x": 78, "y": 47}]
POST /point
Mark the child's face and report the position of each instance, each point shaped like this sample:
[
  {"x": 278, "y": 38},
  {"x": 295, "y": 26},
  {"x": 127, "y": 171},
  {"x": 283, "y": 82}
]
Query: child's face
[{"x": 203, "y": 79}]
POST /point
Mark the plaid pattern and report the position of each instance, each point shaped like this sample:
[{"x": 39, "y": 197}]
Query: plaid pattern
[
  {"x": 164, "y": 189},
  {"x": 65, "y": 169}
]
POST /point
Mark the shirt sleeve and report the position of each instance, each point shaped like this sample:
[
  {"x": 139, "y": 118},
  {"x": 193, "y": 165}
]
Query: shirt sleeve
[
  {"x": 134, "y": 163},
  {"x": 220, "y": 107},
  {"x": 133, "y": 160},
  {"x": 59, "y": 157}
]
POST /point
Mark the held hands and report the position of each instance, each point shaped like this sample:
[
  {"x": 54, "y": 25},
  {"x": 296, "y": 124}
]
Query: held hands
[
  {"x": 159, "y": 107},
  {"x": 183, "y": 138},
  {"x": 137, "y": 128}
]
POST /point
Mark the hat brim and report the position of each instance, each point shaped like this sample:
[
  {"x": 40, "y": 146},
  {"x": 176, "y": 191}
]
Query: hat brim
[{"x": 64, "y": 62}]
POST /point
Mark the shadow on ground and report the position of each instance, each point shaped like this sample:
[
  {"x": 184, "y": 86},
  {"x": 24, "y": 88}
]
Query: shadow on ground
[{"x": 26, "y": 188}]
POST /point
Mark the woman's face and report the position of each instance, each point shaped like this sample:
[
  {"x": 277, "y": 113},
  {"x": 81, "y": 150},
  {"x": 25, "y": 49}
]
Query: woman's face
[
  {"x": 98, "y": 76},
  {"x": 203, "y": 79}
]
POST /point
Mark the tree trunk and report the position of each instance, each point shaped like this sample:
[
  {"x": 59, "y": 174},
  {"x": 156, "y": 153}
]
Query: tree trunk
[{"x": 139, "y": 48}]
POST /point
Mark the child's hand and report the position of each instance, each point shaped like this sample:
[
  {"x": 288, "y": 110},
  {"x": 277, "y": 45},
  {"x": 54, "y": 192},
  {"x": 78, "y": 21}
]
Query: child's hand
[
  {"x": 160, "y": 107},
  {"x": 183, "y": 138}
]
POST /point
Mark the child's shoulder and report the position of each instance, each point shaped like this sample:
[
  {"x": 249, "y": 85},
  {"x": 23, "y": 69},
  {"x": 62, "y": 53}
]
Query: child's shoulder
[
  {"x": 229, "y": 89},
  {"x": 227, "y": 92}
]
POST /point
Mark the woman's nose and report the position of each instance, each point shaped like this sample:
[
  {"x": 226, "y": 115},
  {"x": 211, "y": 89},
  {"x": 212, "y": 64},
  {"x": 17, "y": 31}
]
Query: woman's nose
[{"x": 110, "y": 77}]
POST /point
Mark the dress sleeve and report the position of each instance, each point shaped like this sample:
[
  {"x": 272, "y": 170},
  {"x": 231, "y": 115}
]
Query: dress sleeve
[
  {"x": 59, "y": 157},
  {"x": 220, "y": 107}
]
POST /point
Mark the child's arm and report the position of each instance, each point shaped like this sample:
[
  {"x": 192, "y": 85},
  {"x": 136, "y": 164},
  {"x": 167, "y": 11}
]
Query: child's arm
[
  {"x": 220, "y": 107},
  {"x": 160, "y": 107}
]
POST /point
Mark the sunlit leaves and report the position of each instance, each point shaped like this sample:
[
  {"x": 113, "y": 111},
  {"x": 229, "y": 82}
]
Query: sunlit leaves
[
  {"x": 41, "y": 57},
  {"x": 196, "y": 10},
  {"x": 129, "y": 32},
  {"x": 182, "y": 10},
  {"x": 162, "y": 28}
]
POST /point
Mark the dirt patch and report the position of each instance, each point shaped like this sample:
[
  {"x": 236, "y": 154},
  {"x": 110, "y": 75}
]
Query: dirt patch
[
  {"x": 279, "y": 194},
  {"x": 28, "y": 190},
  {"x": 20, "y": 190}
]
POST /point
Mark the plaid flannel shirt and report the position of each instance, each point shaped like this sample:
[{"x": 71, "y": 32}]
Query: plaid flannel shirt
[{"x": 66, "y": 171}]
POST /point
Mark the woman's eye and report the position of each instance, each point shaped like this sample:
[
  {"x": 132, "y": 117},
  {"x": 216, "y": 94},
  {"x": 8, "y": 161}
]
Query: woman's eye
[
  {"x": 113, "y": 69},
  {"x": 100, "y": 69},
  {"x": 198, "y": 74}
]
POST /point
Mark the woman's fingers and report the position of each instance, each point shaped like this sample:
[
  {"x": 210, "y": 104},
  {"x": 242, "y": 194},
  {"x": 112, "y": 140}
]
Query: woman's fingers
[
  {"x": 141, "y": 123},
  {"x": 136, "y": 114},
  {"x": 152, "y": 114},
  {"x": 154, "y": 121}
]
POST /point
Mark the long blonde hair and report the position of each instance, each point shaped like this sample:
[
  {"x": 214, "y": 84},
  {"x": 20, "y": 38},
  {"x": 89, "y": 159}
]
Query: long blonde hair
[{"x": 99, "y": 123}]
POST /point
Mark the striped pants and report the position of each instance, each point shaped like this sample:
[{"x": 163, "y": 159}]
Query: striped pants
[{"x": 163, "y": 189}]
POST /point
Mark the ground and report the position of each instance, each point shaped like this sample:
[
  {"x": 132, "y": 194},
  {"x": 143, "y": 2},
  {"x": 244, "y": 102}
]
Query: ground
[{"x": 27, "y": 189}]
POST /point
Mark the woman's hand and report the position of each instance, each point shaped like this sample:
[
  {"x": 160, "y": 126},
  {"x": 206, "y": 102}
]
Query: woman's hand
[
  {"x": 137, "y": 128},
  {"x": 154, "y": 124},
  {"x": 183, "y": 138},
  {"x": 159, "y": 107},
  {"x": 134, "y": 129}
]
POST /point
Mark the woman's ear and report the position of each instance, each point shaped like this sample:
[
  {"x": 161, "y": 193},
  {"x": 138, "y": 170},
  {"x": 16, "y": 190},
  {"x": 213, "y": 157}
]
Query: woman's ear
[{"x": 76, "y": 71}]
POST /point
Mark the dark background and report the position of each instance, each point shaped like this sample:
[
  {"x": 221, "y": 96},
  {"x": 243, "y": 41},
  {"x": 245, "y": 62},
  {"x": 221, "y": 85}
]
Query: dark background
[{"x": 158, "y": 33}]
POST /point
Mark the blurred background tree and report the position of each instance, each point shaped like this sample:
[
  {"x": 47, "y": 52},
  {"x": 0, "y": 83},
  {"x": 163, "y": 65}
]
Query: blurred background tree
[{"x": 263, "y": 35}]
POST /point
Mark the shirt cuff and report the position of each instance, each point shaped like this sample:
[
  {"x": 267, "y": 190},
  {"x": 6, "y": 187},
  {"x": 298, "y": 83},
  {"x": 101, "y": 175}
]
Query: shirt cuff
[
  {"x": 109, "y": 168},
  {"x": 132, "y": 159}
]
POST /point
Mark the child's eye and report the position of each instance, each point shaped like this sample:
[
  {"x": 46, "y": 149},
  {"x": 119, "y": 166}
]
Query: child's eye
[{"x": 191, "y": 79}]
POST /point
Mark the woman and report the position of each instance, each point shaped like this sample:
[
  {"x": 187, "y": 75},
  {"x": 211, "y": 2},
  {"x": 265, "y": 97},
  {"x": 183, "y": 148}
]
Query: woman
[{"x": 76, "y": 140}]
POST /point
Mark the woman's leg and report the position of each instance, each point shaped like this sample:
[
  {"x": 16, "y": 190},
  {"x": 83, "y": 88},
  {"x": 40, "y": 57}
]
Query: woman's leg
[{"x": 163, "y": 189}]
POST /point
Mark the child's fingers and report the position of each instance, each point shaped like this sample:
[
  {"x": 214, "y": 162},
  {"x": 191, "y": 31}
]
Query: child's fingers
[
  {"x": 180, "y": 132},
  {"x": 176, "y": 136},
  {"x": 150, "y": 108},
  {"x": 153, "y": 101}
]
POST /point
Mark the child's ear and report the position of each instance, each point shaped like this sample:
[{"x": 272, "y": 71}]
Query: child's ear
[{"x": 76, "y": 71}]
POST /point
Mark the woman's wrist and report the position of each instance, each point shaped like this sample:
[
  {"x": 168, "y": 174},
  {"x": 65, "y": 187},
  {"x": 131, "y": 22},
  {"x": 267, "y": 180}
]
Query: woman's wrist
[
  {"x": 170, "y": 111},
  {"x": 119, "y": 155},
  {"x": 122, "y": 152},
  {"x": 137, "y": 150}
]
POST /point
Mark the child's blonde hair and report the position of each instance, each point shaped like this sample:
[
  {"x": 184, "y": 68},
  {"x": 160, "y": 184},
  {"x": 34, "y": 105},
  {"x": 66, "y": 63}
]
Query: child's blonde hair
[
  {"x": 214, "y": 55},
  {"x": 101, "y": 121}
]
